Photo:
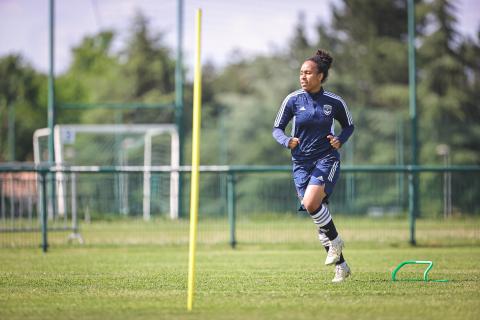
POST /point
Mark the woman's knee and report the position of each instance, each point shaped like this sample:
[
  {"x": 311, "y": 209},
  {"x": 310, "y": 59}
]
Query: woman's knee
[
  {"x": 313, "y": 198},
  {"x": 312, "y": 204}
]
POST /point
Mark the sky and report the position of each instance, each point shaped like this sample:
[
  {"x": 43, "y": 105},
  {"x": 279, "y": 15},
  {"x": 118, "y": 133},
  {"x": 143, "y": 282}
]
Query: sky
[{"x": 251, "y": 26}]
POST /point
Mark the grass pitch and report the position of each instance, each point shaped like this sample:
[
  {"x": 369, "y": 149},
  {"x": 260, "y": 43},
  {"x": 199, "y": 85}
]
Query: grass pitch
[{"x": 278, "y": 281}]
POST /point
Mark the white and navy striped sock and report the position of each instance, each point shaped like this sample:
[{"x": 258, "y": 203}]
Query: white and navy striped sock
[{"x": 321, "y": 216}]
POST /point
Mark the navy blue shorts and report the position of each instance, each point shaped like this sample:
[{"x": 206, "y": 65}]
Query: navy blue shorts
[{"x": 324, "y": 171}]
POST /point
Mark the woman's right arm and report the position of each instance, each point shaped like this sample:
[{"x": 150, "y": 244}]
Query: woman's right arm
[
  {"x": 281, "y": 137},
  {"x": 284, "y": 115}
]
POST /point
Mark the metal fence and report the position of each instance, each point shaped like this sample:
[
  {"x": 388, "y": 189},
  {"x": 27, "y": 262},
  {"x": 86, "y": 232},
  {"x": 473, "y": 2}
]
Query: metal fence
[{"x": 247, "y": 204}]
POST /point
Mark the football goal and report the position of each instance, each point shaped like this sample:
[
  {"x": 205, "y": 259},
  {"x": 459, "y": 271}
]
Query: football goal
[{"x": 89, "y": 147}]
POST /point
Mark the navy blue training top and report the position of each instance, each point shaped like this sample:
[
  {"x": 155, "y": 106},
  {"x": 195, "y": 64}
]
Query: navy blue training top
[{"x": 313, "y": 120}]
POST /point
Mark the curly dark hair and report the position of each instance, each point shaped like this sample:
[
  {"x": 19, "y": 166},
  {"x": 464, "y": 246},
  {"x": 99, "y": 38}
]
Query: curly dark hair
[{"x": 323, "y": 60}]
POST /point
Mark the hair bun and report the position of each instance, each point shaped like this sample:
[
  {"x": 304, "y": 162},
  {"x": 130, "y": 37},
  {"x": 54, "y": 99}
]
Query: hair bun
[
  {"x": 323, "y": 60},
  {"x": 325, "y": 57}
]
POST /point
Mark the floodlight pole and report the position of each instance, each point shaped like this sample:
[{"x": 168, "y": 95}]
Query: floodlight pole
[
  {"x": 413, "y": 174},
  {"x": 179, "y": 96},
  {"x": 51, "y": 99},
  {"x": 51, "y": 88}
]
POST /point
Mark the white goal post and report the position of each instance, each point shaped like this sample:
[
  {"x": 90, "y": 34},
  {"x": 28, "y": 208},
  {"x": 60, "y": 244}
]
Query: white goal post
[{"x": 67, "y": 134}]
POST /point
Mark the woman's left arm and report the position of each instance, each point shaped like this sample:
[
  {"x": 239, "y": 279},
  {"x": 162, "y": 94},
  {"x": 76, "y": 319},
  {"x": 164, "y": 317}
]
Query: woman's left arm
[{"x": 344, "y": 116}]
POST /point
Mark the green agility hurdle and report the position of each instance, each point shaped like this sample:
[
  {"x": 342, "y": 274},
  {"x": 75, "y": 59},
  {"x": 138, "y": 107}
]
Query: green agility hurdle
[{"x": 425, "y": 273}]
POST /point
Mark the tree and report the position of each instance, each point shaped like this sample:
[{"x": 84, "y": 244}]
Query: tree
[
  {"x": 149, "y": 70},
  {"x": 91, "y": 78},
  {"x": 448, "y": 87},
  {"x": 148, "y": 61},
  {"x": 143, "y": 71},
  {"x": 20, "y": 90}
]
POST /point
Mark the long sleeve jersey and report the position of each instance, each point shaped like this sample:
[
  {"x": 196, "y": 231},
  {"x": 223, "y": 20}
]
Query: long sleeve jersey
[{"x": 313, "y": 120}]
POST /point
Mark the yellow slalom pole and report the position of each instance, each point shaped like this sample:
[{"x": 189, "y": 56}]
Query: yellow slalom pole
[{"x": 197, "y": 112}]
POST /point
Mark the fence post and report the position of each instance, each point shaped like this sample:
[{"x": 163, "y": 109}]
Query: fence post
[
  {"x": 44, "y": 211},
  {"x": 412, "y": 200},
  {"x": 412, "y": 84},
  {"x": 231, "y": 206}
]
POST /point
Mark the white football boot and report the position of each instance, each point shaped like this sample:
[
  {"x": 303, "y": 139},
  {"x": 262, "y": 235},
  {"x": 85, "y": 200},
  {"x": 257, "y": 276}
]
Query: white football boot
[
  {"x": 342, "y": 272},
  {"x": 334, "y": 251}
]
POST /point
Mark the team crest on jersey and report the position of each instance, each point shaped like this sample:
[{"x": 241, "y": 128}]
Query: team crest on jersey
[{"x": 327, "y": 109}]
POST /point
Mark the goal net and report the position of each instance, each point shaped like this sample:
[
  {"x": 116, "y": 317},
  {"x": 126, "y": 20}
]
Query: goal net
[{"x": 120, "y": 146}]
